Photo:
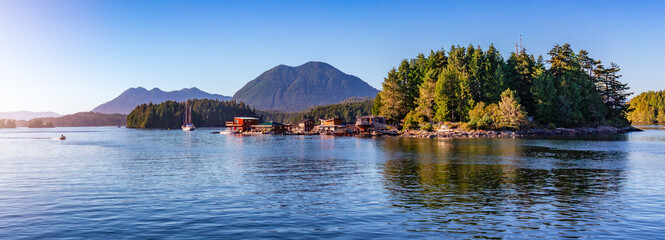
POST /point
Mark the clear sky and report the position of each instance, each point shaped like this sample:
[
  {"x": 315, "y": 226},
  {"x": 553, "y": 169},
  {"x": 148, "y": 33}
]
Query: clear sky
[{"x": 69, "y": 56}]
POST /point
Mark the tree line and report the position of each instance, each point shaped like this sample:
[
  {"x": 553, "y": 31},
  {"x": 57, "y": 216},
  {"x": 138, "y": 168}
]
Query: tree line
[
  {"x": 648, "y": 107},
  {"x": 347, "y": 111},
  {"x": 7, "y": 123},
  {"x": 86, "y": 119},
  {"x": 205, "y": 113},
  {"x": 39, "y": 123},
  {"x": 480, "y": 88}
]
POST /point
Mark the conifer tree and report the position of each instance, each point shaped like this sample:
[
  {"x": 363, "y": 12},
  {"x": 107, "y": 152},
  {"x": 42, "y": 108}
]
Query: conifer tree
[
  {"x": 426, "y": 101},
  {"x": 512, "y": 114},
  {"x": 393, "y": 98}
]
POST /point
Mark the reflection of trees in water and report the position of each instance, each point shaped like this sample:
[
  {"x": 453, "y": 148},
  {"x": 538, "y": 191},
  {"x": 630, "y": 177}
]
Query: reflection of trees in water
[{"x": 479, "y": 187}]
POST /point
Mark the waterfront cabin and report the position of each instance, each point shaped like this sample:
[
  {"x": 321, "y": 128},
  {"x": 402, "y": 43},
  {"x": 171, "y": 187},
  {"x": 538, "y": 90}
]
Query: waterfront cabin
[
  {"x": 371, "y": 123},
  {"x": 271, "y": 127},
  {"x": 242, "y": 124},
  {"x": 331, "y": 122},
  {"x": 306, "y": 125},
  {"x": 330, "y": 125}
]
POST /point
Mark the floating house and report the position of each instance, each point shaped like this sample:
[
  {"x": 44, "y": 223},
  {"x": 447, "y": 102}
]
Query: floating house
[
  {"x": 371, "y": 123},
  {"x": 306, "y": 125},
  {"x": 242, "y": 124},
  {"x": 271, "y": 127}
]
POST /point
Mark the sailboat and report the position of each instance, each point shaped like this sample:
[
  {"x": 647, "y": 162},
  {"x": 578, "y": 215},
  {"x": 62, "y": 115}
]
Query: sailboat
[{"x": 187, "y": 124}]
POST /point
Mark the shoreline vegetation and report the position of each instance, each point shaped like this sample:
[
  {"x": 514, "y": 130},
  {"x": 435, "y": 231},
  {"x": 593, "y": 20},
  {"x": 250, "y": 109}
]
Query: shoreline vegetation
[
  {"x": 648, "y": 108},
  {"x": 456, "y": 133},
  {"x": 169, "y": 114}
]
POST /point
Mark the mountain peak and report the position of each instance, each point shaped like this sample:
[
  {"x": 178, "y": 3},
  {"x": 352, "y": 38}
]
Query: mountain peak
[
  {"x": 192, "y": 89},
  {"x": 316, "y": 64},
  {"x": 296, "y": 88},
  {"x": 26, "y": 115},
  {"x": 132, "y": 97}
]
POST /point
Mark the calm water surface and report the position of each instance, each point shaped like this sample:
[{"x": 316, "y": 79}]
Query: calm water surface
[{"x": 122, "y": 183}]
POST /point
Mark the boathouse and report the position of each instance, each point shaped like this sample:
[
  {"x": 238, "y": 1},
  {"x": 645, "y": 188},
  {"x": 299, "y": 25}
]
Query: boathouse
[{"x": 242, "y": 124}]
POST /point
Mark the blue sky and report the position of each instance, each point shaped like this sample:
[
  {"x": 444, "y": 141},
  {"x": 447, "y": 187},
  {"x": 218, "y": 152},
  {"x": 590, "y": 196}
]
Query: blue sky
[{"x": 69, "y": 56}]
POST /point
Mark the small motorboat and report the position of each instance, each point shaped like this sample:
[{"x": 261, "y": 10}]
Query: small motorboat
[
  {"x": 228, "y": 131},
  {"x": 62, "y": 137}
]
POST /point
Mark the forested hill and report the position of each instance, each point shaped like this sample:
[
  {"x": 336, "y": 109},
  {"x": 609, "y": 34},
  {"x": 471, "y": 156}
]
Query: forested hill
[
  {"x": 86, "y": 119},
  {"x": 287, "y": 88},
  {"x": 648, "y": 107},
  {"x": 479, "y": 87},
  {"x": 205, "y": 113},
  {"x": 348, "y": 111},
  {"x": 132, "y": 97}
]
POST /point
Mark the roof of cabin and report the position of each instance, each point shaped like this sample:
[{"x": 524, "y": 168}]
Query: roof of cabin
[
  {"x": 270, "y": 124},
  {"x": 247, "y": 118}
]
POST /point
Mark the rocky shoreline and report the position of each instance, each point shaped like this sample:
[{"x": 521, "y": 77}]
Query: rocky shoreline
[{"x": 454, "y": 133}]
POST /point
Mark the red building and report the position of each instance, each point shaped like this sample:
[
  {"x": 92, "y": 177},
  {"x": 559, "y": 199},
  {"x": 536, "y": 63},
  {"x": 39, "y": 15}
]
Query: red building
[{"x": 242, "y": 124}]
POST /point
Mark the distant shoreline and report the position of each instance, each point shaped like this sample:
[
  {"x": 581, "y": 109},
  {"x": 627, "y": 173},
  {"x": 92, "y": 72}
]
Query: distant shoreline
[{"x": 454, "y": 133}]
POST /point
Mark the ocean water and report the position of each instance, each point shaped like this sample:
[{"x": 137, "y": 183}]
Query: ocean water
[{"x": 118, "y": 183}]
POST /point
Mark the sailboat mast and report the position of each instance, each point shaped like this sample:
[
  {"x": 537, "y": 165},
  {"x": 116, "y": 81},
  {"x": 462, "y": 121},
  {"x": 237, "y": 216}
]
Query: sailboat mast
[{"x": 189, "y": 114}]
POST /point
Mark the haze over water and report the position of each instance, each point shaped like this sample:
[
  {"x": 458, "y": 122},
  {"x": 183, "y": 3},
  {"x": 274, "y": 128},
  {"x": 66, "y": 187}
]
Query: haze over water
[{"x": 126, "y": 183}]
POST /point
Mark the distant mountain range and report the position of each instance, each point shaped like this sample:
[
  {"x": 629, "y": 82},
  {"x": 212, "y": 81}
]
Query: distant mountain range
[
  {"x": 26, "y": 115},
  {"x": 132, "y": 97},
  {"x": 297, "y": 88},
  {"x": 282, "y": 88}
]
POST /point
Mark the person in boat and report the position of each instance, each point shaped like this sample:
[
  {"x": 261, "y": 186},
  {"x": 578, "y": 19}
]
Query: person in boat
[{"x": 62, "y": 137}]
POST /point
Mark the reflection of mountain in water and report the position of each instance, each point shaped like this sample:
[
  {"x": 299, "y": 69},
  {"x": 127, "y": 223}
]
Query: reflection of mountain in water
[{"x": 486, "y": 187}]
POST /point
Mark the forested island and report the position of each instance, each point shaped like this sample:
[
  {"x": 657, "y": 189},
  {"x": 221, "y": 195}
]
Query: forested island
[
  {"x": 7, "y": 123},
  {"x": 648, "y": 107},
  {"x": 39, "y": 123},
  {"x": 82, "y": 119},
  {"x": 481, "y": 90},
  {"x": 88, "y": 119},
  {"x": 205, "y": 113}
]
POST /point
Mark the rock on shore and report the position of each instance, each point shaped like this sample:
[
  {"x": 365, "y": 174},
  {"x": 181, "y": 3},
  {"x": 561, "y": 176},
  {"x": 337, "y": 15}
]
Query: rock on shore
[{"x": 454, "y": 133}]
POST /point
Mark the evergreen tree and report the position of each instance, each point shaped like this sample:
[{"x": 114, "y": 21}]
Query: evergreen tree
[
  {"x": 394, "y": 98},
  {"x": 521, "y": 69},
  {"x": 511, "y": 113},
  {"x": 426, "y": 101},
  {"x": 493, "y": 83},
  {"x": 376, "y": 106},
  {"x": 545, "y": 98},
  {"x": 614, "y": 93}
]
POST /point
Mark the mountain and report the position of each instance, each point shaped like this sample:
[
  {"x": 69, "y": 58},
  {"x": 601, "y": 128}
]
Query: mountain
[
  {"x": 132, "y": 97},
  {"x": 297, "y": 88},
  {"x": 26, "y": 115}
]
